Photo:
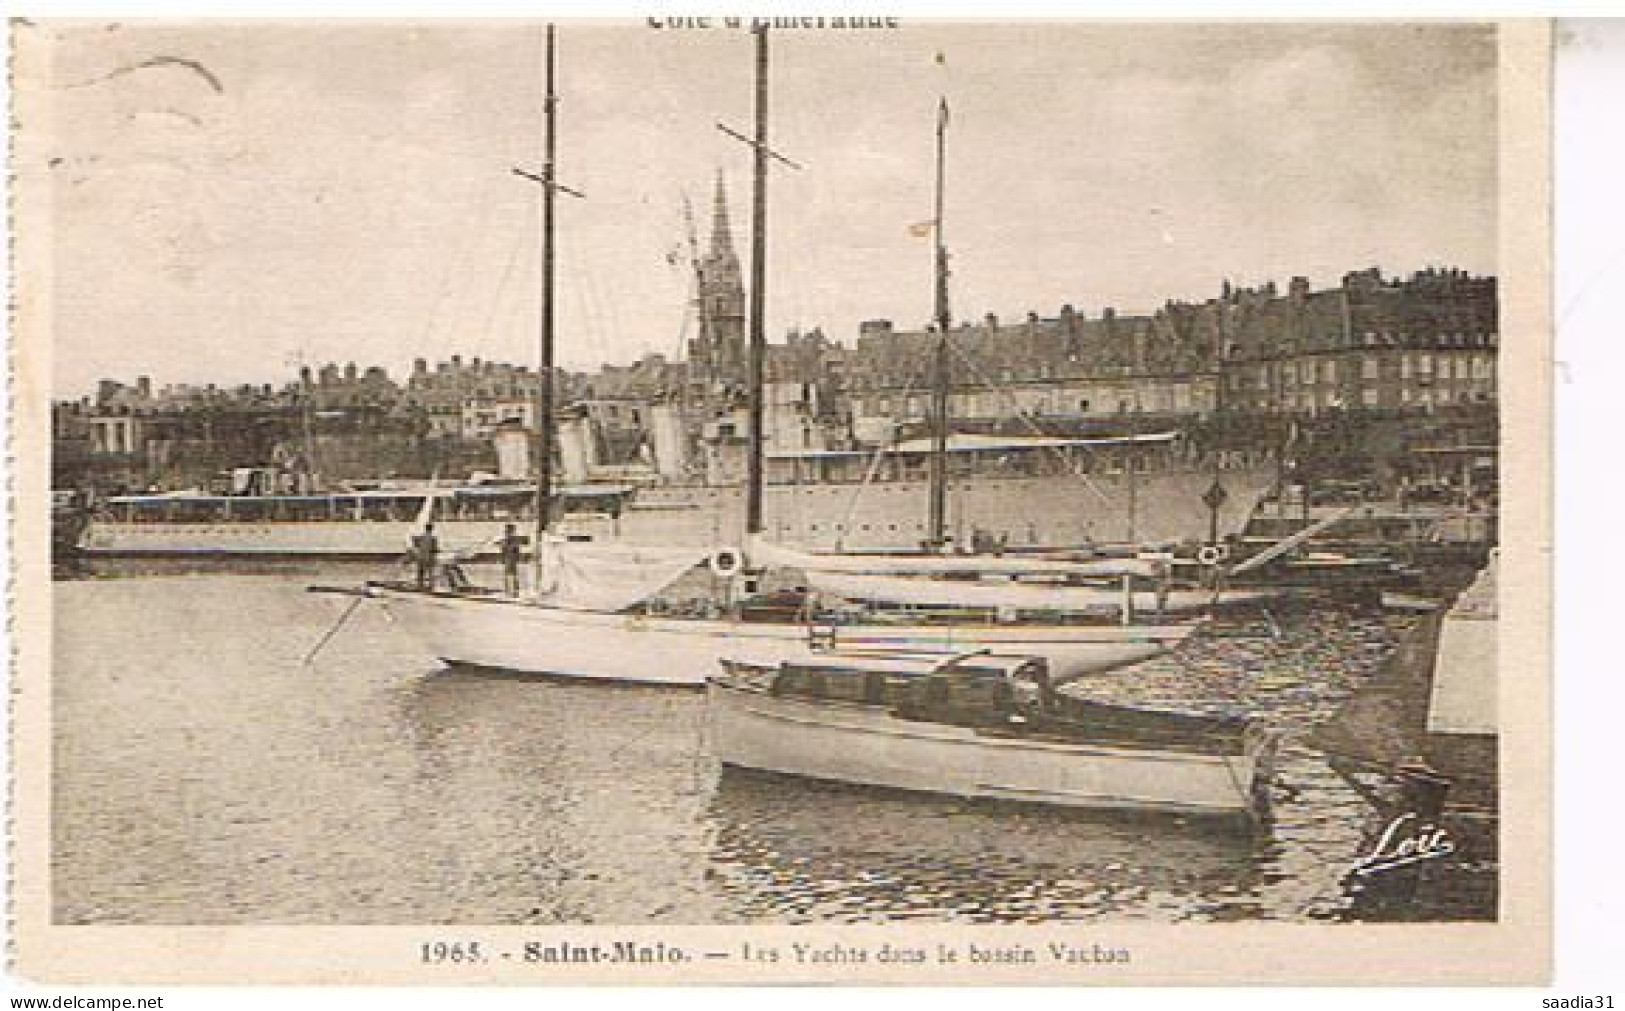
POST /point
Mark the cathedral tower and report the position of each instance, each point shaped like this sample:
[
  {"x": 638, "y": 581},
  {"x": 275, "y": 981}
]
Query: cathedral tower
[{"x": 719, "y": 350}]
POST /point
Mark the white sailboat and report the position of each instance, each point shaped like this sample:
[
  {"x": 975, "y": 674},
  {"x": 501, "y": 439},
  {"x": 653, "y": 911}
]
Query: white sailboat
[
  {"x": 991, "y": 582},
  {"x": 766, "y": 553},
  {"x": 1105, "y": 600},
  {"x": 523, "y": 636},
  {"x": 589, "y": 614}
]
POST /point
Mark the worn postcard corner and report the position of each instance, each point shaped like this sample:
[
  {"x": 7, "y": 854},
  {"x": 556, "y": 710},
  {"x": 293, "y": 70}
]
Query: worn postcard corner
[{"x": 709, "y": 499}]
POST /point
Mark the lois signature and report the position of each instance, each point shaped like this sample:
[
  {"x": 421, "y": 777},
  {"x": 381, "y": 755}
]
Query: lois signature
[{"x": 1407, "y": 840}]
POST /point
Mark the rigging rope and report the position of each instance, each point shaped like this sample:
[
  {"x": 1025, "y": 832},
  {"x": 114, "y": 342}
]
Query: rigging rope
[
  {"x": 1021, "y": 415},
  {"x": 873, "y": 469},
  {"x": 519, "y": 242},
  {"x": 454, "y": 268}
]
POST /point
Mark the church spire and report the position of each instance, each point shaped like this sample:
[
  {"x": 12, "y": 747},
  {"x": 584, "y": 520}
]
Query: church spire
[
  {"x": 720, "y": 345},
  {"x": 722, "y": 239}
]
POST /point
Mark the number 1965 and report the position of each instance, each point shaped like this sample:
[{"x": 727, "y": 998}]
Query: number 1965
[{"x": 454, "y": 952}]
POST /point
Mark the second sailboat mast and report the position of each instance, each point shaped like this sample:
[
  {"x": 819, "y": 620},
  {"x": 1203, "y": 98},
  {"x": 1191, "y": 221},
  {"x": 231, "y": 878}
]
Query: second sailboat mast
[
  {"x": 936, "y": 538},
  {"x": 758, "y": 282},
  {"x": 544, "y": 397}
]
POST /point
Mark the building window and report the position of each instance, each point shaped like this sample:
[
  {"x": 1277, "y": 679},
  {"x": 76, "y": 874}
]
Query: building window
[
  {"x": 1368, "y": 368},
  {"x": 1368, "y": 397}
]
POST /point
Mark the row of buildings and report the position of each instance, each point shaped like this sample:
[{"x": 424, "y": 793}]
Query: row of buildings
[{"x": 1422, "y": 344}]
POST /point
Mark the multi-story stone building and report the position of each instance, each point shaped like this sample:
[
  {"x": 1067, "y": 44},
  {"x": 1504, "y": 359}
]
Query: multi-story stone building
[
  {"x": 1064, "y": 368},
  {"x": 458, "y": 399},
  {"x": 1417, "y": 343}
]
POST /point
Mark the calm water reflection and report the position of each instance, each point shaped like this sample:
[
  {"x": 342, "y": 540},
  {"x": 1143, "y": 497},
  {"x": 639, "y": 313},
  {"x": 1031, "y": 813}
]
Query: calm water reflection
[{"x": 792, "y": 850}]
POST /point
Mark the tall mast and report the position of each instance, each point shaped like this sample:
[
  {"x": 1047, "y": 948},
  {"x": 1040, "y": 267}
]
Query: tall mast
[
  {"x": 758, "y": 281},
  {"x": 545, "y": 422},
  {"x": 937, "y": 521},
  {"x": 756, "y": 366}
]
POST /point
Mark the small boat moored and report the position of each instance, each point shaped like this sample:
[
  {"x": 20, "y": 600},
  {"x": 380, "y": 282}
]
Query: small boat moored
[{"x": 981, "y": 725}]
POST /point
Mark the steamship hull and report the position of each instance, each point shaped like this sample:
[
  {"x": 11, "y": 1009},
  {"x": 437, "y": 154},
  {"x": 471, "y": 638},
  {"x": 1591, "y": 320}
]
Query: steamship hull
[
  {"x": 1156, "y": 507},
  {"x": 338, "y": 539},
  {"x": 1025, "y": 512}
]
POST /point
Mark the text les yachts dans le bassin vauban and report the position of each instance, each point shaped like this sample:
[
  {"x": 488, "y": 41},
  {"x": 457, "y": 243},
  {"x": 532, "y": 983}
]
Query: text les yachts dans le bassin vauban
[{"x": 473, "y": 952}]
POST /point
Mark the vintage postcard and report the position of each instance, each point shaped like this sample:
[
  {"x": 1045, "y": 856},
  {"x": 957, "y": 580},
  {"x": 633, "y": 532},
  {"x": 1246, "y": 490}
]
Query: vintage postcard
[{"x": 819, "y": 500}]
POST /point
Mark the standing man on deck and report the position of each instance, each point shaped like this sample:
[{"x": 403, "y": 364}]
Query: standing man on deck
[
  {"x": 511, "y": 543},
  {"x": 424, "y": 550}
]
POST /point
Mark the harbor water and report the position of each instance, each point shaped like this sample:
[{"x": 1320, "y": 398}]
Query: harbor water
[{"x": 204, "y": 773}]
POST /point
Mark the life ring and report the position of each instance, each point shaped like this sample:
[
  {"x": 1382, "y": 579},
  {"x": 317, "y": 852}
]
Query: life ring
[
  {"x": 727, "y": 564},
  {"x": 1210, "y": 554},
  {"x": 1224, "y": 551}
]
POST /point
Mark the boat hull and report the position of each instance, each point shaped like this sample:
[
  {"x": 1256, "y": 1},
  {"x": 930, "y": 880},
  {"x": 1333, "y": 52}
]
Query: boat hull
[
  {"x": 513, "y": 635},
  {"x": 1030, "y": 596},
  {"x": 867, "y": 745},
  {"x": 1152, "y": 507}
]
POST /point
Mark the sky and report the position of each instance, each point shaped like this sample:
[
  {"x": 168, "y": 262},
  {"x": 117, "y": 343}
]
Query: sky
[{"x": 232, "y": 198}]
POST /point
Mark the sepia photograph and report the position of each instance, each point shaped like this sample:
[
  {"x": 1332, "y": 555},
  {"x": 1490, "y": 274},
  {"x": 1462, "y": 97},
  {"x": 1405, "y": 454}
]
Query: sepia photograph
[{"x": 768, "y": 499}]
